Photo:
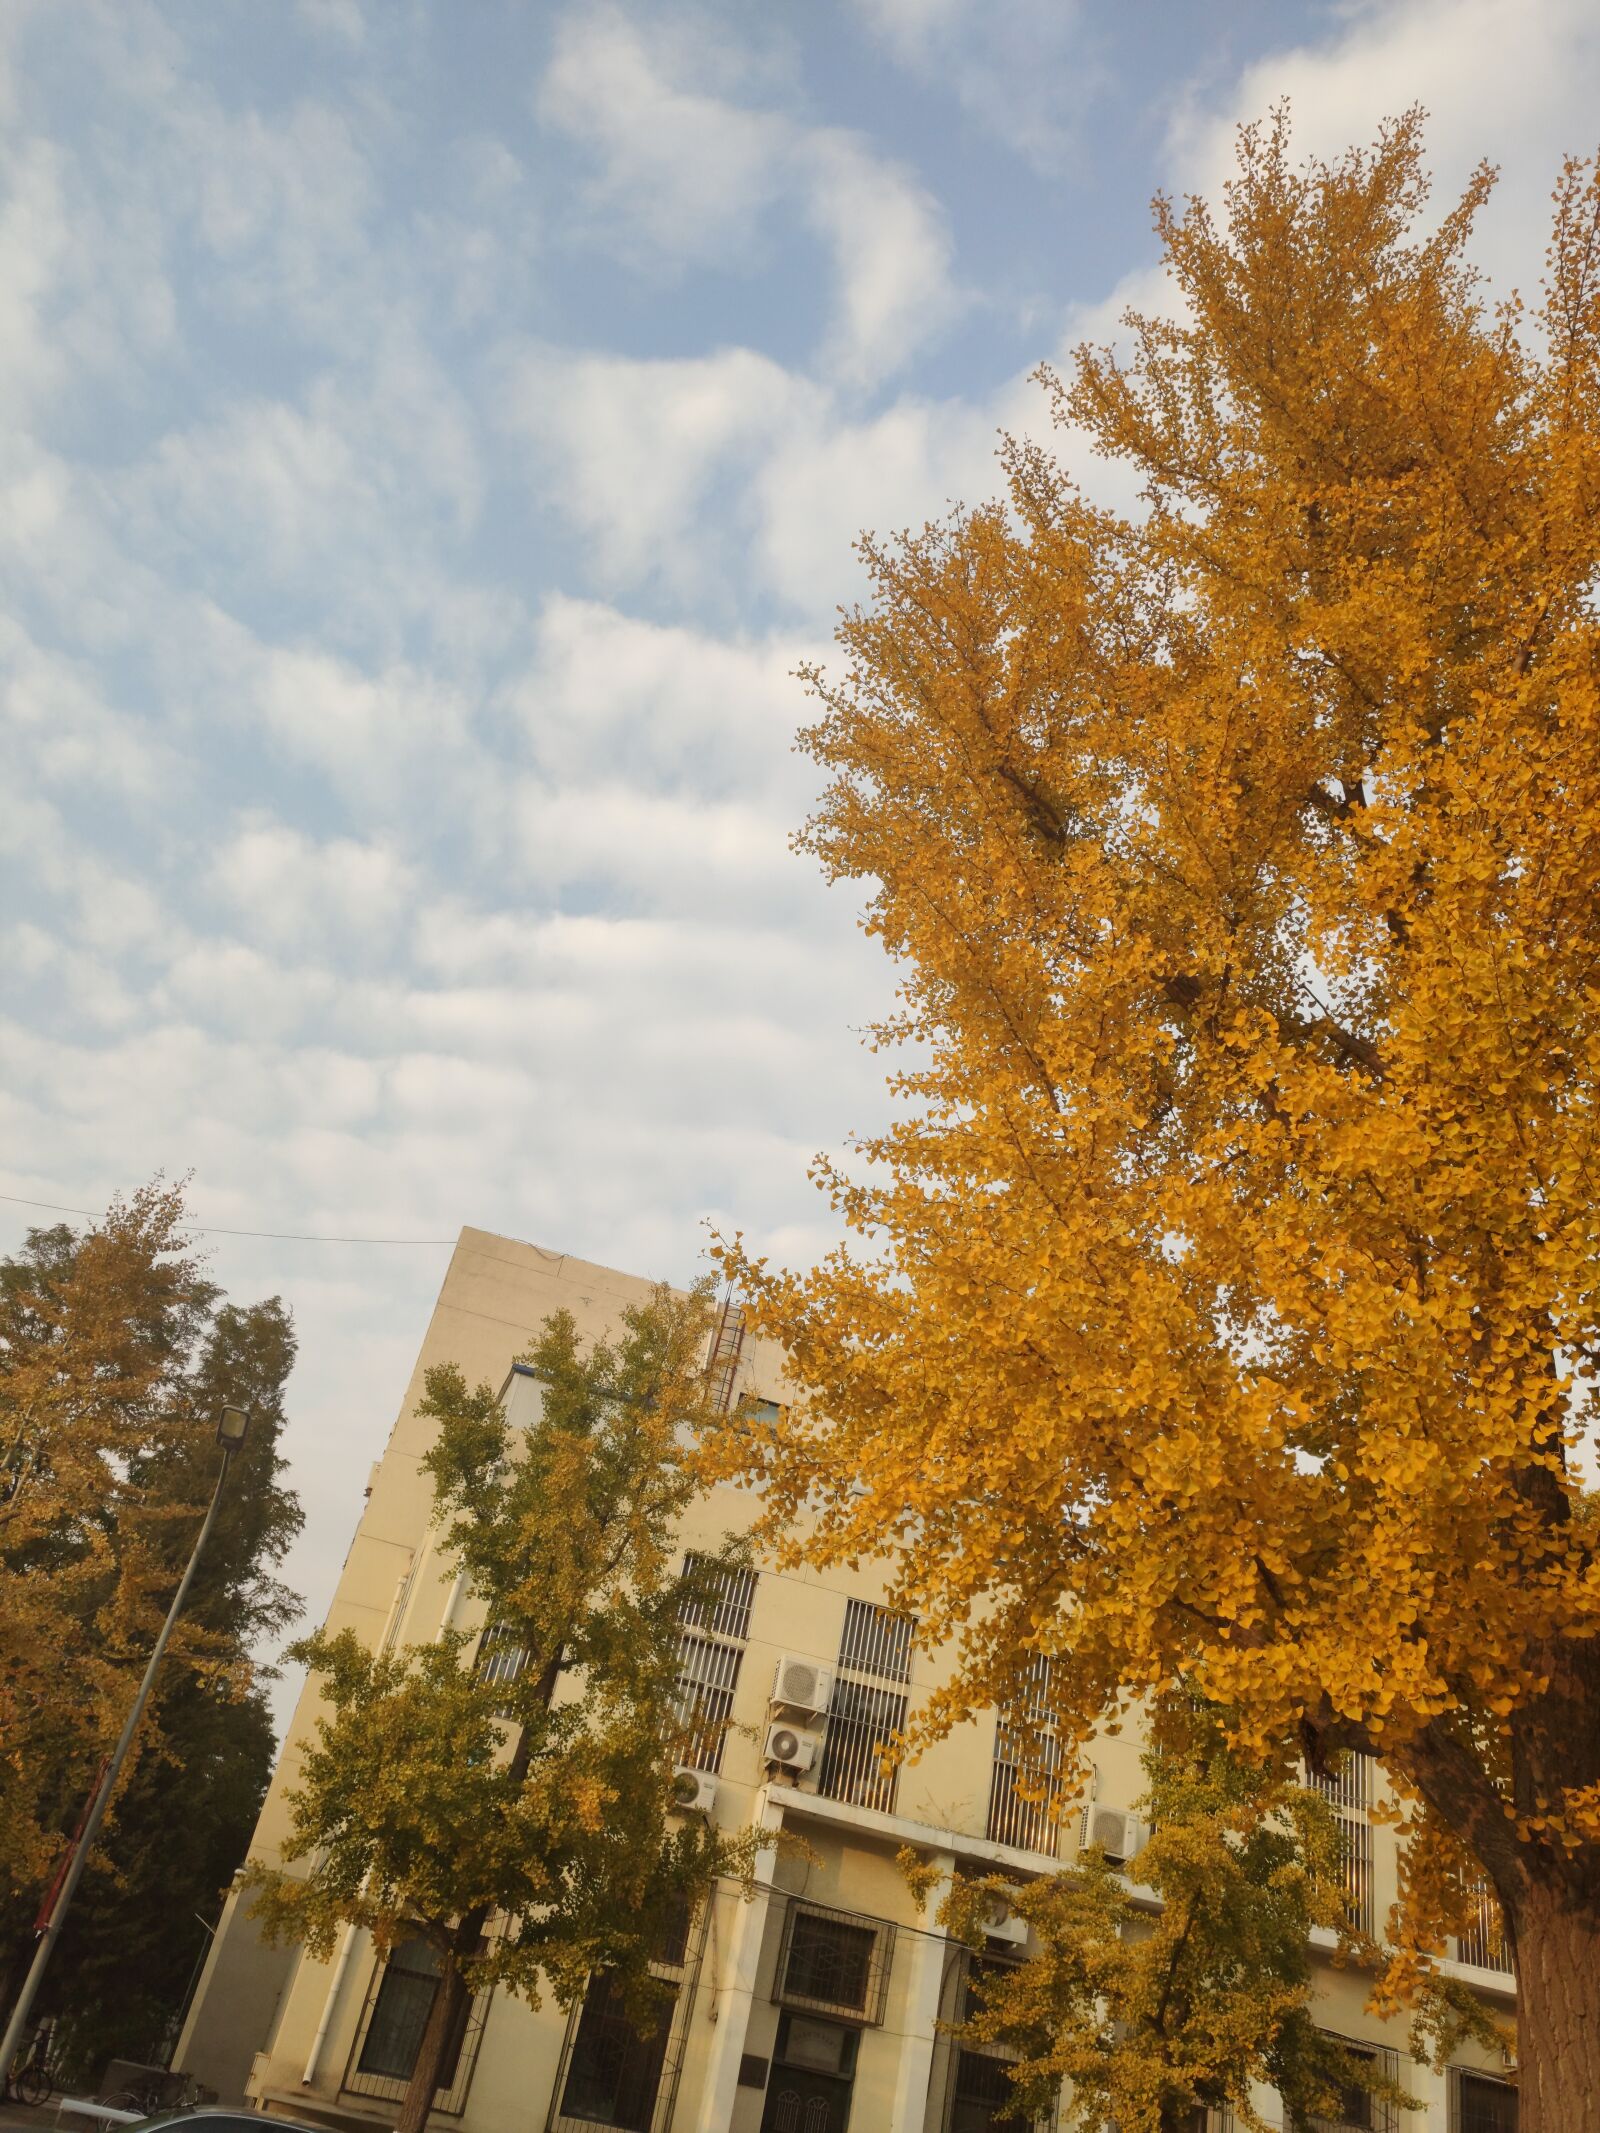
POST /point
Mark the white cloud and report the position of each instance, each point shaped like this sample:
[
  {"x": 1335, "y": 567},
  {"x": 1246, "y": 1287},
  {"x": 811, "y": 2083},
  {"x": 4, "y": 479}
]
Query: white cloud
[
  {"x": 1024, "y": 69},
  {"x": 680, "y": 175},
  {"x": 1510, "y": 80},
  {"x": 286, "y": 887},
  {"x": 686, "y": 176}
]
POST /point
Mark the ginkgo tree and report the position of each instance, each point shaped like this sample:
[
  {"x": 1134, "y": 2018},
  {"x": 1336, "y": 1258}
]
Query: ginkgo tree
[
  {"x": 518, "y": 1820},
  {"x": 1224, "y": 1297}
]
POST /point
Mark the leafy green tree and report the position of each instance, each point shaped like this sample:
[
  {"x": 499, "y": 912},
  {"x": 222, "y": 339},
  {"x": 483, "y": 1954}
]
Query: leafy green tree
[
  {"x": 522, "y": 1828},
  {"x": 1145, "y": 2016},
  {"x": 116, "y": 1353}
]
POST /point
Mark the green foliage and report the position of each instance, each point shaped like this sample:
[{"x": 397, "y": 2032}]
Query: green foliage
[
  {"x": 524, "y": 1828},
  {"x": 116, "y": 1354},
  {"x": 1145, "y": 2013}
]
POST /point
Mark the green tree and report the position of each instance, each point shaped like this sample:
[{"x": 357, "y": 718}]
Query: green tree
[
  {"x": 116, "y": 1353},
  {"x": 1146, "y": 2017},
  {"x": 523, "y": 1828}
]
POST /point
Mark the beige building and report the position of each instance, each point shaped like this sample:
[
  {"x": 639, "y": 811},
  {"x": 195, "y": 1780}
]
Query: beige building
[{"x": 817, "y": 2006}]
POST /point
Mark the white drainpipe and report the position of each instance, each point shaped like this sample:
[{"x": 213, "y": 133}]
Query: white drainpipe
[{"x": 341, "y": 1965}]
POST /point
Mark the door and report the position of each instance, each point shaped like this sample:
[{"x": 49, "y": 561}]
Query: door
[{"x": 799, "y": 2101}]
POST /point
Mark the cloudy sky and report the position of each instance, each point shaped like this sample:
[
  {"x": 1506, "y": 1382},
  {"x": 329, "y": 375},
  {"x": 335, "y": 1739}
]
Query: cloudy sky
[{"x": 435, "y": 430}]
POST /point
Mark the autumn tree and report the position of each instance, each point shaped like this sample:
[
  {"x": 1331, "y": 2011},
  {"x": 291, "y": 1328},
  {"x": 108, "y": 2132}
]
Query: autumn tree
[
  {"x": 116, "y": 1354},
  {"x": 1224, "y": 1299},
  {"x": 522, "y": 1828},
  {"x": 1147, "y": 2016}
]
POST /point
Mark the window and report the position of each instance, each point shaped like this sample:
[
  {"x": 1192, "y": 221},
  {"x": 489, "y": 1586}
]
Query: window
[
  {"x": 1348, "y": 1790},
  {"x": 1025, "y": 1788},
  {"x": 1359, "y": 2110},
  {"x": 614, "y": 2072},
  {"x": 731, "y": 1595},
  {"x": 1479, "y": 2103},
  {"x": 502, "y": 1656},
  {"x": 1484, "y": 1942},
  {"x": 983, "y": 2099},
  {"x": 389, "y": 2035},
  {"x": 865, "y": 1716},
  {"x": 708, "y": 1673},
  {"x": 710, "y": 1652},
  {"x": 834, "y": 1962}
]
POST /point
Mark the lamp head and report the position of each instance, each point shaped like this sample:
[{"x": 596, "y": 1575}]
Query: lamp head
[{"x": 232, "y": 1425}]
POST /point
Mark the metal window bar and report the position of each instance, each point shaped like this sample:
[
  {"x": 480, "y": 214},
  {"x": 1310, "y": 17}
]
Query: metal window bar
[
  {"x": 1484, "y": 1943},
  {"x": 728, "y": 1615},
  {"x": 1025, "y": 1786},
  {"x": 1348, "y": 1785},
  {"x": 502, "y": 1656},
  {"x": 726, "y": 1353},
  {"x": 876, "y": 1641},
  {"x": 390, "y": 2087},
  {"x": 1481, "y": 2103},
  {"x": 708, "y": 1674},
  {"x": 679, "y": 1968},
  {"x": 1363, "y": 2112},
  {"x": 834, "y": 1962},
  {"x": 1348, "y": 1789},
  {"x": 862, "y": 1722}
]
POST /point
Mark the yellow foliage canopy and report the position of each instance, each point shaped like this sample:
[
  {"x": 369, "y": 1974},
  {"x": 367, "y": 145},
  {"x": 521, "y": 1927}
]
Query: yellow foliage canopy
[{"x": 1226, "y": 1288}]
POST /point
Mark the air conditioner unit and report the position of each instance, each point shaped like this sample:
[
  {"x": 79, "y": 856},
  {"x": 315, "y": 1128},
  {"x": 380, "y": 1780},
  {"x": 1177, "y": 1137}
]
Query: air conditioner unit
[
  {"x": 1121, "y": 1836},
  {"x": 803, "y": 1684},
  {"x": 1000, "y": 1922},
  {"x": 694, "y": 1792},
  {"x": 792, "y": 1746}
]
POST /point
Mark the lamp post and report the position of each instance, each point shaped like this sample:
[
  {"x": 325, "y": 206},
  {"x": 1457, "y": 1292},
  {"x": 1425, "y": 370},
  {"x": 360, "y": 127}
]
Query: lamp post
[{"x": 232, "y": 1426}]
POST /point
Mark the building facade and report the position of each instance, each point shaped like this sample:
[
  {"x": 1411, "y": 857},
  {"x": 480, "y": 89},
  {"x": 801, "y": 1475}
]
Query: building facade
[{"x": 818, "y": 2005}]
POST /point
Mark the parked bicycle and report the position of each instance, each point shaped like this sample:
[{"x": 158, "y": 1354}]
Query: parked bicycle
[{"x": 32, "y": 2079}]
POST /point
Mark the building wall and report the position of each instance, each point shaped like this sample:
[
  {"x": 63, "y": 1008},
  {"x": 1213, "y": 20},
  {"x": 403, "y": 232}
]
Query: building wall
[{"x": 282, "y": 2028}]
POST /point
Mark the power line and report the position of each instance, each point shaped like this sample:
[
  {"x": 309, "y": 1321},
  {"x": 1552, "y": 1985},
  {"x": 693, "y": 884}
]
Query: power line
[{"x": 212, "y": 1229}]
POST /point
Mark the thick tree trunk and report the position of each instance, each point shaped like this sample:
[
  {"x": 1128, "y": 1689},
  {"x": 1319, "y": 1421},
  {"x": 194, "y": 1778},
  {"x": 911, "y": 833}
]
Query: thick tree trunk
[
  {"x": 1558, "y": 2012},
  {"x": 448, "y": 2003}
]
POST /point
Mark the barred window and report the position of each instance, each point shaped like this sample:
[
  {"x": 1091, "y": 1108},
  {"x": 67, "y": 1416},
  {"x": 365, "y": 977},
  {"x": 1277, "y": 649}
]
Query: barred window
[
  {"x": 1484, "y": 1943},
  {"x": 834, "y": 1962},
  {"x": 502, "y": 1655},
  {"x": 984, "y": 2099},
  {"x": 389, "y": 2032},
  {"x": 1348, "y": 1789},
  {"x": 1025, "y": 1787},
  {"x": 1359, "y": 2110},
  {"x": 708, "y": 1674},
  {"x": 876, "y": 1641},
  {"x": 614, "y": 2073},
  {"x": 865, "y": 1716},
  {"x": 1480, "y": 2103},
  {"x": 733, "y": 1590}
]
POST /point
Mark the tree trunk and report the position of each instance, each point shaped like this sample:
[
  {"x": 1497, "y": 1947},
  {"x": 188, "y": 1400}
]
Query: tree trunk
[
  {"x": 1558, "y": 2011},
  {"x": 443, "y": 2018}
]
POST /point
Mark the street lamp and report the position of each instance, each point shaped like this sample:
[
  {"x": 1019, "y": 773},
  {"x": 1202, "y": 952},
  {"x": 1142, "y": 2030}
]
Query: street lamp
[{"x": 232, "y": 1426}]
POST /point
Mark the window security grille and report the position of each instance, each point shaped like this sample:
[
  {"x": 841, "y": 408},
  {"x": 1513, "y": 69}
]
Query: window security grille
[
  {"x": 1359, "y": 2110},
  {"x": 876, "y": 1642},
  {"x": 1484, "y": 1942},
  {"x": 727, "y": 1611},
  {"x": 834, "y": 1962},
  {"x": 1348, "y": 1789},
  {"x": 613, "y": 2076},
  {"x": 708, "y": 1673},
  {"x": 1025, "y": 1788},
  {"x": 1480, "y": 2103},
  {"x": 620, "y": 2069},
  {"x": 502, "y": 1656},
  {"x": 400, "y": 1996},
  {"x": 865, "y": 1716},
  {"x": 982, "y": 2099}
]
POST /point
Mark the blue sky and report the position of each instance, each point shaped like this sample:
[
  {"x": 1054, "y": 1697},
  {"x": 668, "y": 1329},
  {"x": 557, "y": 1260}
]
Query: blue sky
[{"x": 436, "y": 432}]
